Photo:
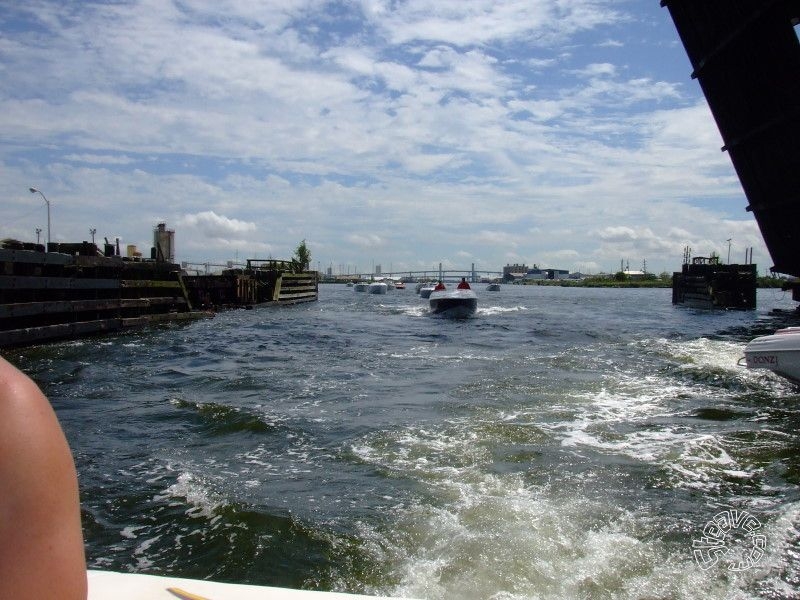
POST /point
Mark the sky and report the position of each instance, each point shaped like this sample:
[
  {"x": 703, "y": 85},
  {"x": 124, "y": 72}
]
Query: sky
[{"x": 402, "y": 133}]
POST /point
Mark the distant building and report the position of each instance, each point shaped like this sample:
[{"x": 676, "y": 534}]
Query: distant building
[
  {"x": 163, "y": 243},
  {"x": 634, "y": 275},
  {"x": 514, "y": 272},
  {"x": 536, "y": 273}
]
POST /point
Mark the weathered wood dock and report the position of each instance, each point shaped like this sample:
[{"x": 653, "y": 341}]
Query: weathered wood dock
[
  {"x": 260, "y": 282},
  {"x": 705, "y": 283},
  {"x": 75, "y": 291}
]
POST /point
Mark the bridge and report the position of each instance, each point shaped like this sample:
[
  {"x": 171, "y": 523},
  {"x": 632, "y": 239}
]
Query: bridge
[{"x": 449, "y": 275}]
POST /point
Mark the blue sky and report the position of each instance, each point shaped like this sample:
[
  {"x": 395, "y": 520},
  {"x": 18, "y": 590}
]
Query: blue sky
[{"x": 566, "y": 133}]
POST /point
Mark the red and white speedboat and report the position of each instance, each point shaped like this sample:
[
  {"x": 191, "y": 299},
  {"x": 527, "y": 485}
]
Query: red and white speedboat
[
  {"x": 458, "y": 303},
  {"x": 779, "y": 352}
]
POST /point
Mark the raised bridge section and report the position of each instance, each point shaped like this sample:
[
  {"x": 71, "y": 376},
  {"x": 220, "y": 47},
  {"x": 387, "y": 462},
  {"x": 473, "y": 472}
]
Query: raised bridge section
[{"x": 746, "y": 56}]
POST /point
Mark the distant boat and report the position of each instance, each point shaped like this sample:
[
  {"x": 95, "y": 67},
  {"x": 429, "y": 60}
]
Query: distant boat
[
  {"x": 399, "y": 285},
  {"x": 360, "y": 286},
  {"x": 493, "y": 287},
  {"x": 779, "y": 352},
  {"x": 377, "y": 287},
  {"x": 458, "y": 303},
  {"x": 425, "y": 290}
]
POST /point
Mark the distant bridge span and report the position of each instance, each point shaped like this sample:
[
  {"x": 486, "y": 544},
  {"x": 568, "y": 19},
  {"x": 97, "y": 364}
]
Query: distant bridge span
[{"x": 446, "y": 275}]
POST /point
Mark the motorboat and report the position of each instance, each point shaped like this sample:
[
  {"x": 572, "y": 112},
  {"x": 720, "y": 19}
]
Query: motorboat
[
  {"x": 779, "y": 352},
  {"x": 457, "y": 303},
  {"x": 399, "y": 285},
  {"x": 360, "y": 286},
  {"x": 425, "y": 290},
  {"x": 377, "y": 287},
  {"x": 493, "y": 287}
]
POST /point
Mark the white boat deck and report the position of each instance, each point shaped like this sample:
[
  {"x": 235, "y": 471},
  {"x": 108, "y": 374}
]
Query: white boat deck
[{"x": 109, "y": 585}]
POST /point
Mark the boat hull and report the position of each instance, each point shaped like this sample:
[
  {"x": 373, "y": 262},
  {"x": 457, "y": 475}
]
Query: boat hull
[
  {"x": 779, "y": 352},
  {"x": 108, "y": 585},
  {"x": 377, "y": 288},
  {"x": 457, "y": 303}
]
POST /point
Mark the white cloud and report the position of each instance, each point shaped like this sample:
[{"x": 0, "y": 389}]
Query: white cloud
[
  {"x": 421, "y": 131},
  {"x": 212, "y": 225},
  {"x": 99, "y": 159}
]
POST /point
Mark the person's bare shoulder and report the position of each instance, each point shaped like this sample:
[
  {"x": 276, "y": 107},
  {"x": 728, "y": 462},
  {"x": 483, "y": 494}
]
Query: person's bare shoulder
[{"x": 41, "y": 543}]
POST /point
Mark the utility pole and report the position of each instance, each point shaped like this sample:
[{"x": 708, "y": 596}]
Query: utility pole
[
  {"x": 729, "y": 249},
  {"x": 47, "y": 202}
]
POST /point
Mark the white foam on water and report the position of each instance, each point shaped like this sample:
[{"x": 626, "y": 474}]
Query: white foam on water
[
  {"x": 475, "y": 533},
  {"x": 703, "y": 352},
  {"x": 141, "y": 555},
  {"x": 495, "y": 537},
  {"x": 643, "y": 416},
  {"x": 720, "y": 357},
  {"x": 499, "y": 310},
  {"x": 420, "y": 310},
  {"x": 620, "y": 421},
  {"x": 202, "y": 501},
  {"x": 130, "y": 532}
]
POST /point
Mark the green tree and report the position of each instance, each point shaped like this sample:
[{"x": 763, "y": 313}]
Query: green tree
[{"x": 302, "y": 258}]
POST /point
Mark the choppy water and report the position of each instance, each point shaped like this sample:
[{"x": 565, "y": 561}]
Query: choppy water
[{"x": 563, "y": 443}]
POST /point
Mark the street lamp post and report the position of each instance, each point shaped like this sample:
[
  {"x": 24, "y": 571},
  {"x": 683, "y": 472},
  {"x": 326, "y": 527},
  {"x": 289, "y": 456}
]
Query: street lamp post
[
  {"x": 92, "y": 231},
  {"x": 47, "y": 202},
  {"x": 38, "y": 231}
]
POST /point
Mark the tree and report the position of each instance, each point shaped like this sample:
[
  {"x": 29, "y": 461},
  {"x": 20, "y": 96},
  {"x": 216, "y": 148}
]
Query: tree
[{"x": 302, "y": 258}]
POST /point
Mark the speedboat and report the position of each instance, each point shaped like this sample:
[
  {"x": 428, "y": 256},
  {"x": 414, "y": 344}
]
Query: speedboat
[
  {"x": 458, "y": 303},
  {"x": 493, "y": 287},
  {"x": 377, "y": 287},
  {"x": 425, "y": 290},
  {"x": 779, "y": 352},
  {"x": 360, "y": 286}
]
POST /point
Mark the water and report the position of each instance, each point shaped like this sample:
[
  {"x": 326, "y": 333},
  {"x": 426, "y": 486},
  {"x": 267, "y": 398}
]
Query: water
[{"x": 563, "y": 443}]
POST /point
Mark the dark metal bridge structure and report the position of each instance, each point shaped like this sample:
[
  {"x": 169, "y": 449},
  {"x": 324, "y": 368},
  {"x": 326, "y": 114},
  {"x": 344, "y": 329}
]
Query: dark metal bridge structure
[
  {"x": 471, "y": 275},
  {"x": 746, "y": 56}
]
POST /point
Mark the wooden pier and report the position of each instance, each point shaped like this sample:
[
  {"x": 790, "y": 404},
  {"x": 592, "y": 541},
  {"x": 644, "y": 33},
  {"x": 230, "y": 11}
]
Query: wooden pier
[
  {"x": 75, "y": 291},
  {"x": 705, "y": 283},
  {"x": 260, "y": 282}
]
